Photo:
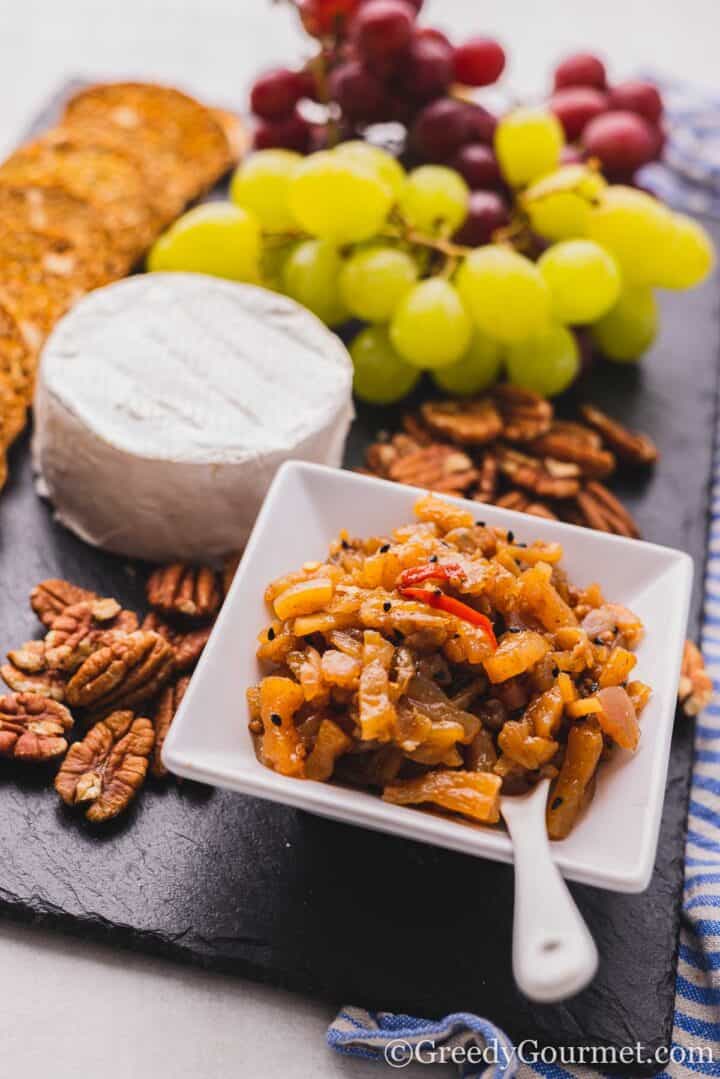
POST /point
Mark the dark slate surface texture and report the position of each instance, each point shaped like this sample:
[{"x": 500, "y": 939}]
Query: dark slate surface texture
[{"x": 241, "y": 885}]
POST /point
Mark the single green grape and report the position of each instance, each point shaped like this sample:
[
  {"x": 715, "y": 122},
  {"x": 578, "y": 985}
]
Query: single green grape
[
  {"x": 260, "y": 185},
  {"x": 690, "y": 257},
  {"x": 504, "y": 292},
  {"x": 435, "y": 199},
  {"x": 546, "y": 363},
  {"x": 374, "y": 280},
  {"x": 528, "y": 143},
  {"x": 383, "y": 164},
  {"x": 630, "y": 327},
  {"x": 583, "y": 278},
  {"x": 381, "y": 377},
  {"x": 431, "y": 328},
  {"x": 477, "y": 370},
  {"x": 310, "y": 276},
  {"x": 559, "y": 205},
  {"x": 216, "y": 238},
  {"x": 272, "y": 265},
  {"x": 635, "y": 228},
  {"x": 336, "y": 198}
]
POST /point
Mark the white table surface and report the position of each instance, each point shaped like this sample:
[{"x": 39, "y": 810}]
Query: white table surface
[{"x": 71, "y": 1008}]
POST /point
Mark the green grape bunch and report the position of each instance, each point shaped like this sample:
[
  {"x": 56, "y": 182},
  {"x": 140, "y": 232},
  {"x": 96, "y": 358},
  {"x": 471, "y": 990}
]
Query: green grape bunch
[{"x": 350, "y": 234}]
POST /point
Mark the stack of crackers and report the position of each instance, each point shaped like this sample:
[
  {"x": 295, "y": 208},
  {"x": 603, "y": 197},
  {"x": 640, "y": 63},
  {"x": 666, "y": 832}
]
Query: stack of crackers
[{"x": 81, "y": 204}]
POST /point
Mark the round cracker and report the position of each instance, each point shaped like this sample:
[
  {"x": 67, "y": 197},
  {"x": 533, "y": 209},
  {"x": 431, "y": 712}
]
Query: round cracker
[
  {"x": 108, "y": 181},
  {"x": 181, "y": 147},
  {"x": 53, "y": 212}
]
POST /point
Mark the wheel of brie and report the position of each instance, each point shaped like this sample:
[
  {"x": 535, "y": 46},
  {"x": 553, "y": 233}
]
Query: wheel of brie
[{"x": 166, "y": 402}]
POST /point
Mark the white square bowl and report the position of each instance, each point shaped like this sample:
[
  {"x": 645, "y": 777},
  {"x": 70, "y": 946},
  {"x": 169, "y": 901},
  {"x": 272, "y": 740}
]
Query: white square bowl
[{"x": 613, "y": 845}]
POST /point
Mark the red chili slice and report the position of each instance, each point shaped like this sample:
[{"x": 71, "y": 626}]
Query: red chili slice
[
  {"x": 431, "y": 572},
  {"x": 456, "y": 607}
]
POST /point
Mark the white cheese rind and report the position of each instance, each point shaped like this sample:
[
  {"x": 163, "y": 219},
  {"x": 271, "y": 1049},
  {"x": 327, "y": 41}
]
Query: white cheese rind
[{"x": 166, "y": 402}]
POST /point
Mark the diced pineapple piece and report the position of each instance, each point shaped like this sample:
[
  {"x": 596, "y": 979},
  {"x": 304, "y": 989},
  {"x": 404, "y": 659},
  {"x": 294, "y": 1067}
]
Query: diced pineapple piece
[
  {"x": 331, "y": 743},
  {"x": 307, "y": 668},
  {"x": 567, "y": 794},
  {"x": 339, "y": 669},
  {"x": 304, "y": 597},
  {"x": 517, "y": 741},
  {"x": 516, "y": 653},
  {"x": 473, "y": 794},
  {"x": 542, "y": 600},
  {"x": 545, "y": 712},
  {"x": 275, "y": 642},
  {"x": 445, "y": 515},
  {"x": 617, "y": 670},
  {"x": 377, "y": 712},
  {"x": 280, "y": 698},
  {"x": 537, "y": 552},
  {"x": 639, "y": 693}
]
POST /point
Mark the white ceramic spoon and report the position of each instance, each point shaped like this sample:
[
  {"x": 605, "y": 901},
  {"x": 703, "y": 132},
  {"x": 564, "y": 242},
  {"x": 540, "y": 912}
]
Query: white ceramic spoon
[{"x": 554, "y": 955}]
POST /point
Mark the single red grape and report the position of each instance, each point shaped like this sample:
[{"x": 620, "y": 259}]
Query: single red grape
[
  {"x": 275, "y": 94},
  {"x": 359, "y": 94},
  {"x": 427, "y": 69},
  {"x": 417, "y": 4},
  {"x": 487, "y": 211},
  {"x": 382, "y": 28},
  {"x": 640, "y": 97},
  {"x": 482, "y": 124},
  {"x": 434, "y": 33},
  {"x": 479, "y": 62},
  {"x": 575, "y": 106},
  {"x": 440, "y": 129},
  {"x": 622, "y": 140},
  {"x": 321, "y": 17},
  {"x": 478, "y": 166},
  {"x": 582, "y": 69},
  {"x": 290, "y": 133}
]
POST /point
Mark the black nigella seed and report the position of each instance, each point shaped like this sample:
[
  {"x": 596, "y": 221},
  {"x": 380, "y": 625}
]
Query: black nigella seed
[
  {"x": 599, "y": 641},
  {"x": 387, "y": 605},
  {"x": 276, "y": 719},
  {"x": 555, "y": 672},
  {"x": 438, "y": 591},
  {"x": 594, "y": 687},
  {"x": 513, "y": 629},
  {"x": 399, "y": 635},
  {"x": 433, "y": 558},
  {"x": 480, "y": 524},
  {"x": 271, "y": 634},
  {"x": 385, "y": 548},
  {"x": 510, "y": 537},
  {"x": 344, "y": 544},
  {"x": 556, "y": 803},
  {"x": 519, "y": 544}
]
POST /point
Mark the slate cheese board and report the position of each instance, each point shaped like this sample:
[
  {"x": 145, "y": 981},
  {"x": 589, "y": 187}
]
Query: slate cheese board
[{"x": 240, "y": 885}]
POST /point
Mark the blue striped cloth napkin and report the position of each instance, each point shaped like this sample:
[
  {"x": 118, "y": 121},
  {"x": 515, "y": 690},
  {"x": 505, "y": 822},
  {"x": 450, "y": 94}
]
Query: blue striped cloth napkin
[{"x": 689, "y": 180}]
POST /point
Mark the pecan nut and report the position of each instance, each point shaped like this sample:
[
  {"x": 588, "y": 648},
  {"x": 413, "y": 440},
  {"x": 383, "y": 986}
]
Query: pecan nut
[
  {"x": 695, "y": 691},
  {"x": 382, "y": 455},
  {"x": 28, "y": 672},
  {"x": 467, "y": 423},
  {"x": 108, "y": 767},
  {"x": 525, "y": 414},
  {"x": 168, "y": 703},
  {"x": 187, "y": 645},
  {"x": 487, "y": 483},
  {"x": 548, "y": 479},
  {"x": 630, "y": 446},
  {"x": 33, "y": 727},
  {"x": 179, "y": 589},
  {"x": 563, "y": 444},
  {"x": 601, "y": 510},
  {"x": 50, "y": 598},
  {"x": 437, "y": 467},
  {"x": 78, "y": 631},
  {"x": 127, "y": 671}
]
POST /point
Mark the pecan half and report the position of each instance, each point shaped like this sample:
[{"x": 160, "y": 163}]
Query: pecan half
[
  {"x": 193, "y": 591},
  {"x": 108, "y": 767},
  {"x": 187, "y": 645},
  {"x": 601, "y": 510},
  {"x": 549, "y": 479},
  {"x": 565, "y": 444},
  {"x": 50, "y": 598},
  {"x": 416, "y": 430},
  {"x": 438, "y": 467},
  {"x": 525, "y": 415},
  {"x": 168, "y": 703},
  {"x": 123, "y": 673},
  {"x": 487, "y": 482},
  {"x": 631, "y": 446},
  {"x": 32, "y": 727},
  {"x": 78, "y": 631},
  {"x": 695, "y": 691},
  {"x": 27, "y": 672},
  {"x": 467, "y": 423},
  {"x": 513, "y": 500}
]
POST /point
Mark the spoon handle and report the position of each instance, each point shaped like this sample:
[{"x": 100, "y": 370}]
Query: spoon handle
[{"x": 554, "y": 955}]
